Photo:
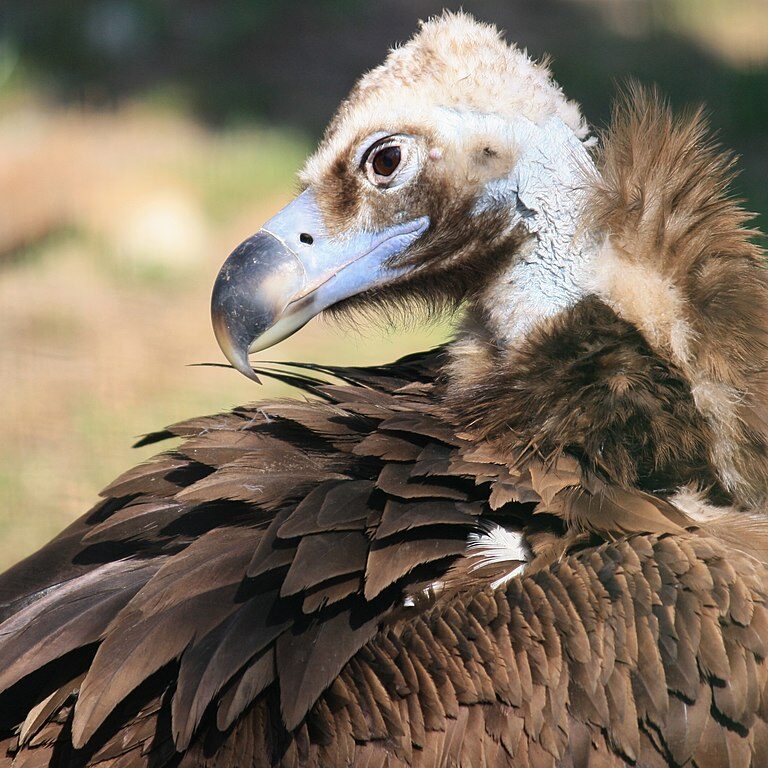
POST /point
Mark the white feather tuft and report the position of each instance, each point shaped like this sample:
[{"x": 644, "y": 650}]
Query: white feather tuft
[{"x": 495, "y": 545}]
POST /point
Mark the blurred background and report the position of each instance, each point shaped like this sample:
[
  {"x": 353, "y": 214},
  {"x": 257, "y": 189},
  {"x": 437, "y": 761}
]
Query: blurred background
[{"x": 141, "y": 140}]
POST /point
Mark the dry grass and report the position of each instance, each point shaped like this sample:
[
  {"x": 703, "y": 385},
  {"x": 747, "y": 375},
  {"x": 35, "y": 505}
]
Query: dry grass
[{"x": 116, "y": 227}]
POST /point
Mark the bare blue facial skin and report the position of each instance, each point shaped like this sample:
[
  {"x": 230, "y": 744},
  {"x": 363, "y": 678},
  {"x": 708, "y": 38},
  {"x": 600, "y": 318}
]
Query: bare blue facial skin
[{"x": 291, "y": 270}]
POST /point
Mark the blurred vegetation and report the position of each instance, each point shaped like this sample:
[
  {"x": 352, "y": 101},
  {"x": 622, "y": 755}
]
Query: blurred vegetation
[{"x": 142, "y": 139}]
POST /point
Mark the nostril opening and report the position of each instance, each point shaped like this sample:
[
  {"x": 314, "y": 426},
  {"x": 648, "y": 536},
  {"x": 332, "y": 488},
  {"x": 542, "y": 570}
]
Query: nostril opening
[{"x": 306, "y": 238}]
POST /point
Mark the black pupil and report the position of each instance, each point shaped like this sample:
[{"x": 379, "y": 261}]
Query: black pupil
[{"x": 386, "y": 160}]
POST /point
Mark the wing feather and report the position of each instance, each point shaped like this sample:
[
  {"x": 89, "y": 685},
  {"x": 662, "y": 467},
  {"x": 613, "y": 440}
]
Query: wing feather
[{"x": 267, "y": 618}]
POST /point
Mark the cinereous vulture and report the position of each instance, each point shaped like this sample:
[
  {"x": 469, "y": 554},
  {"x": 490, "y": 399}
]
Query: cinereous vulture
[{"x": 542, "y": 544}]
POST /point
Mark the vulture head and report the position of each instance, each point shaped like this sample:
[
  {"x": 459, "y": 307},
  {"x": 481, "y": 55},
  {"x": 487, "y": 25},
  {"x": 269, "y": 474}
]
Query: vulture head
[{"x": 455, "y": 163}]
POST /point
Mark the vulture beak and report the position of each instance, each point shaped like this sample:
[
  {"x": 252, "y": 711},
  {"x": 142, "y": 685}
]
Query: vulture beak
[{"x": 291, "y": 269}]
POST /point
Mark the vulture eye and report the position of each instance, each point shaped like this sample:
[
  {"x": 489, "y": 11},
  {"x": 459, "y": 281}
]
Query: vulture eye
[
  {"x": 386, "y": 160},
  {"x": 383, "y": 161}
]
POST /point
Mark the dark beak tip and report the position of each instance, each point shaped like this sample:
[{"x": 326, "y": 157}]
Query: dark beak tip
[
  {"x": 242, "y": 308},
  {"x": 235, "y": 350},
  {"x": 251, "y": 374}
]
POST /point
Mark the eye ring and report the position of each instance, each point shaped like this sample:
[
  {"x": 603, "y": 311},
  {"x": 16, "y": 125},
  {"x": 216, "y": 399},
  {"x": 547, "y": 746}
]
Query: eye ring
[{"x": 383, "y": 160}]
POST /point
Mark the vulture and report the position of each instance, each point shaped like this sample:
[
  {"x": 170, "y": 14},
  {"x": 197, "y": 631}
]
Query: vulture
[{"x": 541, "y": 544}]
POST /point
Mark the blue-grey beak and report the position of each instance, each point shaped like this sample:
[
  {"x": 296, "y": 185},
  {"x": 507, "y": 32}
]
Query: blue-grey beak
[{"x": 290, "y": 270}]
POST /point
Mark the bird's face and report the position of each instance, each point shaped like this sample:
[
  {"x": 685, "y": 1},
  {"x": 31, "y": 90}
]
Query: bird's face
[
  {"x": 412, "y": 194},
  {"x": 410, "y": 209}
]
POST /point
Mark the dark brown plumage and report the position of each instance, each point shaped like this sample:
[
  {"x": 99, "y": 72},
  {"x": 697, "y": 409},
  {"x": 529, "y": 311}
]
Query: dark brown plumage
[
  {"x": 589, "y": 383},
  {"x": 478, "y": 556},
  {"x": 588, "y": 654}
]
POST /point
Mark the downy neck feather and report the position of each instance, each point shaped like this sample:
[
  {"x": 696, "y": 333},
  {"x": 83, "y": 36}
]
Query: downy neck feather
[{"x": 547, "y": 195}]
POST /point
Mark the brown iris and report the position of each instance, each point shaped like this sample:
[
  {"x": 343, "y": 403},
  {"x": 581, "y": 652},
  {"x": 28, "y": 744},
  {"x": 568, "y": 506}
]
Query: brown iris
[{"x": 386, "y": 160}]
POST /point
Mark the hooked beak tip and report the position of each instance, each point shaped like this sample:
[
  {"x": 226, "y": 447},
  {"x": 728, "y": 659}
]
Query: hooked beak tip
[
  {"x": 236, "y": 354},
  {"x": 248, "y": 296}
]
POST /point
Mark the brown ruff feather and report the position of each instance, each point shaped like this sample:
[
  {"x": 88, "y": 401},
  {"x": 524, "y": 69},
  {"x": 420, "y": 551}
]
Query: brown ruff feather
[
  {"x": 663, "y": 200},
  {"x": 585, "y": 383}
]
